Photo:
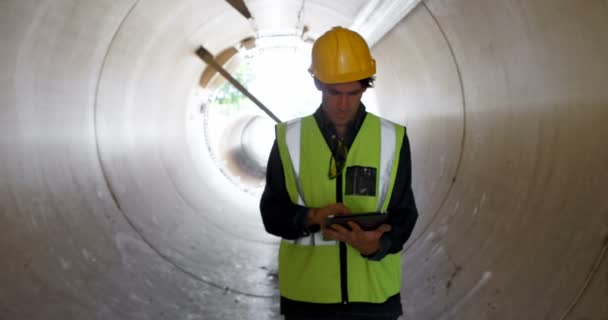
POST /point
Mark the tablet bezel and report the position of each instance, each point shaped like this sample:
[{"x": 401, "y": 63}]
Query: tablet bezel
[{"x": 367, "y": 221}]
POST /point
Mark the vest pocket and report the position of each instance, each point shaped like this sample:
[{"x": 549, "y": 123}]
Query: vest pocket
[{"x": 360, "y": 181}]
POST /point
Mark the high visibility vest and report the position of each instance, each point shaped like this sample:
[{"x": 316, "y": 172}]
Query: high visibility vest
[{"x": 309, "y": 267}]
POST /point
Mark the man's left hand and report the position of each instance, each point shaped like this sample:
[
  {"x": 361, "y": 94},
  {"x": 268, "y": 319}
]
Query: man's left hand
[{"x": 366, "y": 242}]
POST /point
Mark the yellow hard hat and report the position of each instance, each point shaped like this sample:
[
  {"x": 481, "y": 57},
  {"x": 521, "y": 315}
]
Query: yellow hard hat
[{"x": 341, "y": 55}]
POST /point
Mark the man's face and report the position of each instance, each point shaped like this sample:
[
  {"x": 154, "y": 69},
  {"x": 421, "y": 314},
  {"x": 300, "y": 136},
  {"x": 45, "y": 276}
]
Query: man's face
[{"x": 341, "y": 101}]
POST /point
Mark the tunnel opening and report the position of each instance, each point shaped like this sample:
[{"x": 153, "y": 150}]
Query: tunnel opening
[{"x": 237, "y": 134}]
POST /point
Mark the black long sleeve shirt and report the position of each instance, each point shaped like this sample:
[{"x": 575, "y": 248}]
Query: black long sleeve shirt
[{"x": 285, "y": 219}]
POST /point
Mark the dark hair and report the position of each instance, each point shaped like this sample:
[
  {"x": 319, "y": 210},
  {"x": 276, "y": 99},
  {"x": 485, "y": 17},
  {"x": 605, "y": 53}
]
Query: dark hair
[{"x": 367, "y": 82}]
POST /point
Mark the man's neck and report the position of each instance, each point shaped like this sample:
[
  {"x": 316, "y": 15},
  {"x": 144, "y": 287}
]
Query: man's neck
[
  {"x": 330, "y": 130},
  {"x": 341, "y": 131}
]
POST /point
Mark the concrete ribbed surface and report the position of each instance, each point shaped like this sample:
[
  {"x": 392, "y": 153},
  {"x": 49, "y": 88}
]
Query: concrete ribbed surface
[{"x": 107, "y": 211}]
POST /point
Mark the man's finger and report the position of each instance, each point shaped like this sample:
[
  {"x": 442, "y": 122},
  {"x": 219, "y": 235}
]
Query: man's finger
[
  {"x": 344, "y": 209},
  {"x": 354, "y": 226},
  {"x": 328, "y": 233},
  {"x": 338, "y": 228},
  {"x": 332, "y": 234}
]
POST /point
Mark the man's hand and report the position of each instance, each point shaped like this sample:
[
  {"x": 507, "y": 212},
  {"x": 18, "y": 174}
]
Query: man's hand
[
  {"x": 366, "y": 242},
  {"x": 318, "y": 215}
]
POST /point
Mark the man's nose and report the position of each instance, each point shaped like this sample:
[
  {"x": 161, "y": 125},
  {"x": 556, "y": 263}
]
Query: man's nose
[{"x": 343, "y": 100}]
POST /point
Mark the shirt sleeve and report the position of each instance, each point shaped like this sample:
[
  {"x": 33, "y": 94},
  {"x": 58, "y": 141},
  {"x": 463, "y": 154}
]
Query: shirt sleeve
[
  {"x": 402, "y": 211},
  {"x": 280, "y": 216}
]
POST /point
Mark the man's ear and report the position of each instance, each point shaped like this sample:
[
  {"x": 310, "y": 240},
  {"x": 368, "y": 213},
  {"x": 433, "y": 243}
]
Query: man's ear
[{"x": 318, "y": 84}]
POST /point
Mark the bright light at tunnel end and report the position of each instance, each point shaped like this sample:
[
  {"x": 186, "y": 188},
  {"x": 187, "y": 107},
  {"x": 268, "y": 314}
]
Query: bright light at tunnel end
[{"x": 236, "y": 133}]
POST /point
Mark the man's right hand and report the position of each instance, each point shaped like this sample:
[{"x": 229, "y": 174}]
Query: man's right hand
[{"x": 318, "y": 215}]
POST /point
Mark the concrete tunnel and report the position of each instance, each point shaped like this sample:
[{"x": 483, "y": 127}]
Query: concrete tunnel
[{"x": 112, "y": 208}]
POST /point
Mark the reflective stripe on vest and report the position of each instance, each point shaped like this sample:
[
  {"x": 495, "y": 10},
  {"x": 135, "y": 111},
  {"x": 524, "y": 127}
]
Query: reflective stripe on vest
[{"x": 292, "y": 134}]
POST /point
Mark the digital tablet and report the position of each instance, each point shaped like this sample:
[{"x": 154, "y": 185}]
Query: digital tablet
[{"x": 367, "y": 221}]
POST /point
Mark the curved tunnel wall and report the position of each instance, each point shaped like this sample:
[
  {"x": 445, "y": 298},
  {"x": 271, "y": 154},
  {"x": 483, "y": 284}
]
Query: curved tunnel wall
[
  {"x": 108, "y": 212},
  {"x": 506, "y": 103}
]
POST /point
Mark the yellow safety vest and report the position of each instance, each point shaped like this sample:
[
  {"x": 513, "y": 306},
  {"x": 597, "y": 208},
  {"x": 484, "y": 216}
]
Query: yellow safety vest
[{"x": 309, "y": 267}]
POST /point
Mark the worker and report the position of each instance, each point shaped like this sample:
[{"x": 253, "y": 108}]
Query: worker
[{"x": 340, "y": 160}]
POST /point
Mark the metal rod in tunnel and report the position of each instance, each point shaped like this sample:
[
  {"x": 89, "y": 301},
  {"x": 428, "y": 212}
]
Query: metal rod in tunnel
[{"x": 206, "y": 56}]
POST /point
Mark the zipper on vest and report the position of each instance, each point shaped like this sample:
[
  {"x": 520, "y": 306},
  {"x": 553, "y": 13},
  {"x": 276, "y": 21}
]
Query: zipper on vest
[
  {"x": 343, "y": 261},
  {"x": 343, "y": 273}
]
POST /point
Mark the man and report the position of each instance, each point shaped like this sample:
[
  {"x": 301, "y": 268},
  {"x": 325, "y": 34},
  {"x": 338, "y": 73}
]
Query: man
[{"x": 339, "y": 272}]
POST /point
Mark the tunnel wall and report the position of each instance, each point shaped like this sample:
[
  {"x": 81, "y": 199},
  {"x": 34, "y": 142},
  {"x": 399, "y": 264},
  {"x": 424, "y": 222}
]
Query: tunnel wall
[
  {"x": 107, "y": 212},
  {"x": 73, "y": 243},
  {"x": 518, "y": 224}
]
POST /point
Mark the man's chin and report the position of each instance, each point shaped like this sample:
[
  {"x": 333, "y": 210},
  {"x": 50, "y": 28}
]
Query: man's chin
[{"x": 341, "y": 121}]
